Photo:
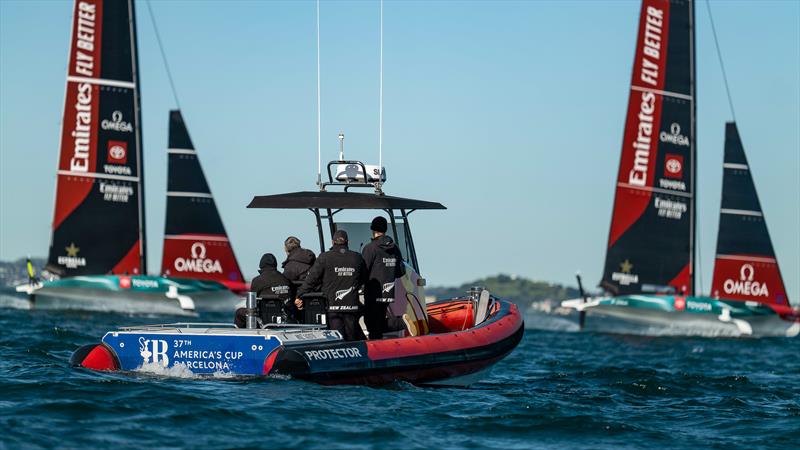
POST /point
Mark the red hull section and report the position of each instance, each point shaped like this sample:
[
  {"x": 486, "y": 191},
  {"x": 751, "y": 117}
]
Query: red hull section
[{"x": 432, "y": 359}]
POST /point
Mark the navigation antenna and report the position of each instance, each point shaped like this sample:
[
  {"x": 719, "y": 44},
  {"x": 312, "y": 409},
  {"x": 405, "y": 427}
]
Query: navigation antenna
[
  {"x": 380, "y": 106},
  {"x": 319, "y": 150}
]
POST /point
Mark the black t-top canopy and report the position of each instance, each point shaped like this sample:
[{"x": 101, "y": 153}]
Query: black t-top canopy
[{"x": 338, "y": 200}]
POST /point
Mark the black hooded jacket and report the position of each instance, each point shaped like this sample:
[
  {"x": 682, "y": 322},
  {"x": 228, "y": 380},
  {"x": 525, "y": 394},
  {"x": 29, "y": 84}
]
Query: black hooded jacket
[
  {"x": 342, "y": 273},
  {"x": 385, "y": 264},
  {"x": 270, "y": 281},
  {"x": 297, "y": 264}
]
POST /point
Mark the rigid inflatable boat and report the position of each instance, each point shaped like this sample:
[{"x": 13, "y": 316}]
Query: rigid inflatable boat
[
  {"x": 459, "y": 338},
  {"x": 457, "y": 352}
]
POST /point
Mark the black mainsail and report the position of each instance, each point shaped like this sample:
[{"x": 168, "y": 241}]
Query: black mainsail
[
  {"x": 98, "y": 224},
  {"x": 745, "y": 267},
  {"x": 651, "y": 240},
  {"x": 195, "y": 242}
]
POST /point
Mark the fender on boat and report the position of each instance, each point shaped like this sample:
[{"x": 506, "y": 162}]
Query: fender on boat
[{"x": 95, "y": 357}]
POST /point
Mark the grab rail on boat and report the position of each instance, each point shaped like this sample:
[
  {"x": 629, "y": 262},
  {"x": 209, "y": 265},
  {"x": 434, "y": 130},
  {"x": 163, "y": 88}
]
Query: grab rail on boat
[{"x": 181, "y": 325}]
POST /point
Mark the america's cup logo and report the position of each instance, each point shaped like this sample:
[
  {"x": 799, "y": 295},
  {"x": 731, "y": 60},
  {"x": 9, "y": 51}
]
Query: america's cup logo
[
  {"x": 154, "y": 351},
  {"x": 746, "y": 284},
  {"x": 198, "y": 262}
]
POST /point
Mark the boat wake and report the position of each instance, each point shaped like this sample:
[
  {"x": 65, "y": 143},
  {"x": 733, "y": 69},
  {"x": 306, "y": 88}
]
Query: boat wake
[
  {"x": 109, "y": 304},
  {"x": 707, "y": 330},
  {"x": 13, "y": 302},
  {"x": 549, "y": 316},
  {"x": 179, "y": 370}
]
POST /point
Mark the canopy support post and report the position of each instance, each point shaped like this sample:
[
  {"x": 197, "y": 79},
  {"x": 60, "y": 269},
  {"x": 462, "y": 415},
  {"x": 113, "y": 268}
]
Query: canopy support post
[
  {"x": 410, "y": 240},
  {"x": 319, "y": 229}
]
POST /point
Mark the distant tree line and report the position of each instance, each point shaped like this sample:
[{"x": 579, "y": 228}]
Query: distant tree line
[{"x": 520, "y": 290}]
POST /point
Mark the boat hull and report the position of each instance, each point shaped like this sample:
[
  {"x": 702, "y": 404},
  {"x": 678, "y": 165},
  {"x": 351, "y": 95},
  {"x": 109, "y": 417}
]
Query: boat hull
[
  {"x": 685, "y": 316},
  {"x": 131, "y": 294},
  {"x": 457, "y": 357}
]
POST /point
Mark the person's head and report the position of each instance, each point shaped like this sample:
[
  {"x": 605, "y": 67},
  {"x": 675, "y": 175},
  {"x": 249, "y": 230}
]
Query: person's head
[
  {"x": 378, "y": 226},
  {"x": 268, "y": 261},
  {"x": 340, "y": 237},
  {"x": 291, "y": 243}
]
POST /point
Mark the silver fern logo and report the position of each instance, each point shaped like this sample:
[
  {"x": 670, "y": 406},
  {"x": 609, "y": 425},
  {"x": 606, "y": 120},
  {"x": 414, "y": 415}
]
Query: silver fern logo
[{"x": 340, "y": 294}]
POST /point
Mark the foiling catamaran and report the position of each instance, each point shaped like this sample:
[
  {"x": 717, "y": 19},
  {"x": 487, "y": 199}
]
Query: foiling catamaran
[
  {"x": 462, "y": 337},
  {"x": 97, "y": 257},
  {"x": 650, "y": 260}
]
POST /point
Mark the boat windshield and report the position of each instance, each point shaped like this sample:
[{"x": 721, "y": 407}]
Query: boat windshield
[{"x": 359, "y": 235}]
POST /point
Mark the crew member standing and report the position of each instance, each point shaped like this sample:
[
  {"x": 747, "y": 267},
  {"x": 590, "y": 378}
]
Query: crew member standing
[
  {"x": 269, "y": 282},
  {"x": 341, "y": 272},
  {"x": 384, "y": 265}
]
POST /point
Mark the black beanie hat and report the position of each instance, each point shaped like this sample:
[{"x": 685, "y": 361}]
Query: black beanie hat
[
  {"x": 268, "y": 260},
  {"x": 379, "y": 224},
  {"x": 340, "y": 237}
]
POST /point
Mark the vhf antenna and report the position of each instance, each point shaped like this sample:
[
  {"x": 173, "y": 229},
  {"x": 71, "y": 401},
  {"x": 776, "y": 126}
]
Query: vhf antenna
[{"x": 341, "y": 146}]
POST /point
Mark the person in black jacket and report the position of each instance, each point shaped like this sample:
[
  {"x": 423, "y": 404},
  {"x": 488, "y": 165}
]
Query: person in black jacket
[
  {"x": 384, "y": 265},
  {"x": 268, "y": 283},
  {"x": 342, "y": 273},
  {"x": 298, "y": 260}
]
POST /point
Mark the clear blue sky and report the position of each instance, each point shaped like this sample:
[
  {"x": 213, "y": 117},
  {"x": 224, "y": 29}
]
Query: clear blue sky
[{"x": 509, "y": 113}]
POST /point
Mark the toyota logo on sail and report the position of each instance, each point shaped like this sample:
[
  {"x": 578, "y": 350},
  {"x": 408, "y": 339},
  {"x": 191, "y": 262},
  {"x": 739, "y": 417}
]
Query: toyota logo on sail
[
  {"x": 117, "y": 152},
  {"x": 746, "y": 285},
  {"x": 198, "y": 262},
  {"x": 673, "y": 166}
]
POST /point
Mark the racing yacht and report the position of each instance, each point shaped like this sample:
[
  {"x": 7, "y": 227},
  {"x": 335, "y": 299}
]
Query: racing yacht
[
  {"x": 650, "y": 258},
  {"x": 97, "y": 256}
]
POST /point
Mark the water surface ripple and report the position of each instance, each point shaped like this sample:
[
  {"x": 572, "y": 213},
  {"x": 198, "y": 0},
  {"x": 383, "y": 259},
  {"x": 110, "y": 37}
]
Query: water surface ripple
[{"x": 557, "y": 390}]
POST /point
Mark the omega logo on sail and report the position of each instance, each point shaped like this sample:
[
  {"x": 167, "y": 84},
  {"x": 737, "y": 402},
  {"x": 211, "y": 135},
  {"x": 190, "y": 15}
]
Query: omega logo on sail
[
  {"x": 198, "y": 262},
  {"x": 116, "y": 123},
  {"x": 674, "y": 136},
  {"x": 745, "y": 284},
  {"x": 649, "y": 75}
]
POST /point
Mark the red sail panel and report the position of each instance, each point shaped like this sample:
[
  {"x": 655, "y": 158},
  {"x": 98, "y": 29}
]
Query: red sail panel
[
  {"x": 197, "y": 256},
  {"x": 195, "y": 242},
  {"x": 97, "y": 218},
  {"x": 78, "y": 148},
  {"x": 748, "y": 277},
  {"x": 745, "y": 266},
  {"x": 651, "y": 234}
]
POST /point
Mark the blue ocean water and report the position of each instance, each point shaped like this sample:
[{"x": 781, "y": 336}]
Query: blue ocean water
[{"x": 557, "y": 390}]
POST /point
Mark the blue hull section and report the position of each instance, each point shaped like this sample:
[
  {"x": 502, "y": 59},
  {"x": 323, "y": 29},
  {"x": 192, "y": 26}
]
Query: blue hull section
[{"x": 237, "y": 354}]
